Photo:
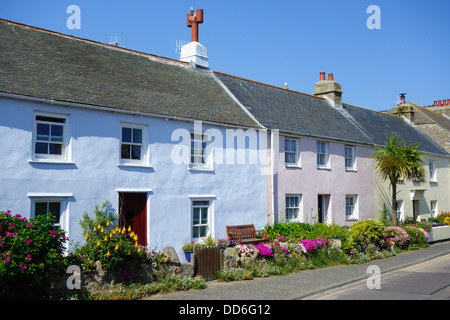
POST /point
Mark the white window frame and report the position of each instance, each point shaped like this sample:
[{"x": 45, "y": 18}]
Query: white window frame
[
  {"x": 434, "y": 208},
  {"x": 210, "y": 215},
  {"x": 432, "y": 170},
  {"x": 296, "y": 162},
  {"x": 144, "y": 161},
  {"x": 289, "y": 207},
  {"x": 206, "y": 153},
  {"x": 353, "y": 207},
  {"x": 352, "y": 158},
  {"x": 325, "y": 155},
  {"x": 64, "y": 156}
]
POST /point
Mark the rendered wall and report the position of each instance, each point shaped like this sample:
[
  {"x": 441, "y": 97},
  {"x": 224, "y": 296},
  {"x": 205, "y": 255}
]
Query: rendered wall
[
  {"x": 335, "y": 181},
  {"x": 424, "y": 192},
  {"x": 92, "y": 175}
]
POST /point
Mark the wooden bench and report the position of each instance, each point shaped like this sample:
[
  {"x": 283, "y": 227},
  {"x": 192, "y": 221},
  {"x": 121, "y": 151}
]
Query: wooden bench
[{"x": 245, "y": 234}]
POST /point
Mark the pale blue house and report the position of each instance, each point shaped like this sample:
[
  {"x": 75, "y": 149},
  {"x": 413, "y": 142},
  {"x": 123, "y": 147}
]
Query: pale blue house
[{"x": 82, "y": 122}]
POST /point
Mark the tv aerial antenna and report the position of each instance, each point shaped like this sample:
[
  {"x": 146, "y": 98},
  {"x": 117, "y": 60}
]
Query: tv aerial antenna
[{"x": 115, "y": 41}]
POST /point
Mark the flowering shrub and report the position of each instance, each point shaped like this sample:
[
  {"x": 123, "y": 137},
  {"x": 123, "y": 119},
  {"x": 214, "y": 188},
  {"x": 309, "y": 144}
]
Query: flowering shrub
[
  {"x": 244, "y": 250},
  {"x": 30, "y": 252},
  {"x": 313, "y": 244},
  {"x": 418, "y": 236},
  {"x": 114, "y": 247},
  {"x": 265, "y": 250},
  {"x": 397, "y": 237}
]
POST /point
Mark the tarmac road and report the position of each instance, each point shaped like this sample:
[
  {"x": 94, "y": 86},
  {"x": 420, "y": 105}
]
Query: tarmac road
[{"x": 428, "y": 280}]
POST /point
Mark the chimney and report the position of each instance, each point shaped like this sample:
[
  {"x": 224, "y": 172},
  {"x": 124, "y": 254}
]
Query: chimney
[
  {"x": 194, "y": 52},
  {"x": 435, "y": 103},
  {"x": 404, "y": 109},
  {"x": 329, "y": 89}
]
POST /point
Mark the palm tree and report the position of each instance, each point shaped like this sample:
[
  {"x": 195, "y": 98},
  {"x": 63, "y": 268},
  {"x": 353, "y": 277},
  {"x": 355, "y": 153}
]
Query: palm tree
[{"x": 395, "y": 160}]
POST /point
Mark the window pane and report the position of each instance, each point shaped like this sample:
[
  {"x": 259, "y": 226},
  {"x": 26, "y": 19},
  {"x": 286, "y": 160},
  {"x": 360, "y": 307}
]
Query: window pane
[
  {"x": 204, "y": 212},
  {"x": 43, "y": 131},
  {"x": 136, "y": 154},
  {"x": 196, "y": 216},
  {"x": 126, "y": 135},
  {"x": 55, "y": 148},
  {"x": 57, "y": 133},
  {"x": 40, "y": 208},
  {"x": 137, "y": 135},
  {"x": 41, "y": 148},
  {"x": 55, "y": 209},
  {"x": 125, "y": 151}
]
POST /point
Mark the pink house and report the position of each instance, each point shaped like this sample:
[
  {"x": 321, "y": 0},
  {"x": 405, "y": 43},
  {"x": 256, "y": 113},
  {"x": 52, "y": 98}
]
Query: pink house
[{"x": 321, "y": 168}]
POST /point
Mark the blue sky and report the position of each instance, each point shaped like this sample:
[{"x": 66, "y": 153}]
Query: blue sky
[{"x": 281, "y": 41}]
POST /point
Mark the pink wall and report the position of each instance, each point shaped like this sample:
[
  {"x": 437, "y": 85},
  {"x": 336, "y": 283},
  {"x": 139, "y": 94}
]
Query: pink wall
[{"x": 309, "y": 181}]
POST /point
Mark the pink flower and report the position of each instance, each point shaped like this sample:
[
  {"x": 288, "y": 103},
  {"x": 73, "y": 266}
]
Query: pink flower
[
  {"x": 53, "y": 233},
  {"x": 29, "y": 256},
  {"x": 24, "y": 266},
  {"x": 29, "y": 241},
  {"x": 6, "y": 259}
]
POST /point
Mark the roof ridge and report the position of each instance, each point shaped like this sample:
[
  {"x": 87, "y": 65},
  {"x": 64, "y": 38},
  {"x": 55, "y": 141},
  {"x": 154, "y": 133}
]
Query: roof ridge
[
  {"x": 94, "y": 42},
  {"x": 268, "y": 85}
]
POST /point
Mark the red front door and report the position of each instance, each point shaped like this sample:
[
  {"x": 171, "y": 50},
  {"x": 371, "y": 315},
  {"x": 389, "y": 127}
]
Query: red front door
[{"x": 133, "y": 212}]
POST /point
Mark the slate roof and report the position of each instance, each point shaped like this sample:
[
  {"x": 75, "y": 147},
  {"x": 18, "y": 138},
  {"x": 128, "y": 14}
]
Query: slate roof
[
  {"x": 303, "y": 114},
  {"x": 45, "y": 64}
]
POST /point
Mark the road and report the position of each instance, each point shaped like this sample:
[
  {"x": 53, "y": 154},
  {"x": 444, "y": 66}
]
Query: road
[{"x": 428, "y": 280}]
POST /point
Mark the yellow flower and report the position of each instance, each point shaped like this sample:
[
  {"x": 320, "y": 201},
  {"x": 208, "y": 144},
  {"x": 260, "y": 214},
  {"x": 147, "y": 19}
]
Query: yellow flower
[
  {"x": 129, "y": 252},
  {"x": 106, "y": 238},
  {"x": 103, "y": 230},
  {"x": 98, "y": 243},
  {"x": 108, "y": 254},
  {"x": 95, "y": 229},
  {"x": 129, "y": 228},
  {"x": 87, "y": 235},
  {"x": 99, "y": 226},
  {"x": 139, "y": 250},
  {"x": 107, "y": 223},
  {"x": 135, "y": 237},
  {"x": 135, "y": 245},
  {"x": 117, "y": 246}
]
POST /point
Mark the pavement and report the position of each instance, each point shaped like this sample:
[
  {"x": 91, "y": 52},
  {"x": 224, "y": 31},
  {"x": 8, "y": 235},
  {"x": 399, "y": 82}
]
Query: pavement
[{"x": 302, "y": 284}]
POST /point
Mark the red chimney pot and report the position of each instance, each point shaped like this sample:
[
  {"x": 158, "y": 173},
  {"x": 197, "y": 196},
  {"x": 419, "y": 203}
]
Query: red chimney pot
[
  {"x": 435, "y": 103},
  {"x": 322, "y": 76},
  {"x": 330, "y": 77}
]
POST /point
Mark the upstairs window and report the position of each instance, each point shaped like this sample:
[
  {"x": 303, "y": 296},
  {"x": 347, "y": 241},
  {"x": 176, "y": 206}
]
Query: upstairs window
[
  {"x": 322, "y": 154},
  {"x": 132, "y": 144},
  {"x": 199, "y": 156},
  {"x": 432, "y": 171},
  {"x": 349, "y": 158},
  {"x": 50, "y": 137},
  {"x": 291, "y": 154}
]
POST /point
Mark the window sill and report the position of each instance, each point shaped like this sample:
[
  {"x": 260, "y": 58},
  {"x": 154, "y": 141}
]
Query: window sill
[
  {"x": 205, "y": 169},
  {"x": 51, "y": 161},
  {"x": 351, "y": 170},
  {"x": 293, "y": 166},
  {"x": 324, "y": 168},
  {"x": 135, "y": 165},
  {"x": 351, "y": 219}
]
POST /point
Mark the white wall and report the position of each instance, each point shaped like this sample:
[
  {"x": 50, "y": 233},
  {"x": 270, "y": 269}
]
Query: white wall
[{"x": 93, "y": 175}]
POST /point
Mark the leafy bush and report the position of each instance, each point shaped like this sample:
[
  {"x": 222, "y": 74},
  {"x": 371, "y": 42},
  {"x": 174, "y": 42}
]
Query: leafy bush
[
  {"x": 366, "y": 232},
  {"x": 30, "y": 251},
  {"x": 102, "y": 216},
  {"x": 418, "y": 236},
  {"x": 300, "y": 231}
]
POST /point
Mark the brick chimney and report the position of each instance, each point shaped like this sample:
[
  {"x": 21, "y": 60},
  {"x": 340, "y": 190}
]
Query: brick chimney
[
  {"x": 194, "y": 52},
  {"x": 329, "y": 89}
]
